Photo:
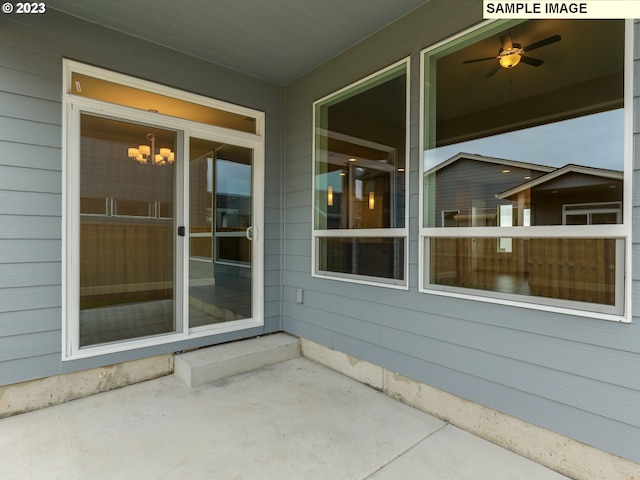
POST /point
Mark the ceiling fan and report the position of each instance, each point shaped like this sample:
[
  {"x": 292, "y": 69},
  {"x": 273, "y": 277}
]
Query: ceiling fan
[{"x": 511, "y": 53}]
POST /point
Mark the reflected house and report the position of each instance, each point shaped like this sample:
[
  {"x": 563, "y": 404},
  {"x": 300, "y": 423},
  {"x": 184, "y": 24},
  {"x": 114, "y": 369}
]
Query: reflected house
[
  {"x": 466, "y": 186},
  {"x": 571, "y": 195},
  {"x": 477, "y": 191},
  {"x": 536, "y": 194}
]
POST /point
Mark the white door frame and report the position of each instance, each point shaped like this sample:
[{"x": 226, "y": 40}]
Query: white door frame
[{"x": 73, "y": 107}]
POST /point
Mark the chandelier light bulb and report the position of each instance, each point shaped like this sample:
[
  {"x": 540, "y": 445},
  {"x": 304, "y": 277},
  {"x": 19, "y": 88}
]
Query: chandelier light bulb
[{"x": 146, "y": 154}]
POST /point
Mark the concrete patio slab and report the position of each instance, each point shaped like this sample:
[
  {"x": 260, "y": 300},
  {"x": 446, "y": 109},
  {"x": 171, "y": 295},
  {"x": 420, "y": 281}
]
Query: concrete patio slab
[
  {"x": 453, "y": 454},
  {"x": 293, "y": 420}
]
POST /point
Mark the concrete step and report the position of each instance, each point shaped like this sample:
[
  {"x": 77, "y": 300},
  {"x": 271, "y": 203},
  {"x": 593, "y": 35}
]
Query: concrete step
[{"x": 214, "y": 363}]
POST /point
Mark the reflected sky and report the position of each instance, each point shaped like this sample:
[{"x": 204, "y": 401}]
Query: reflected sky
[
  {"x": 593, "y": 140},
  {"x": 233, "y": 178}
]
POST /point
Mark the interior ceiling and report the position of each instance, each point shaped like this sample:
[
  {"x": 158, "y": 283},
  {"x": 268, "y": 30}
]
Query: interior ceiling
[
  {"x": 584, "y": 53},
  {"x": 275, "y": 40}
]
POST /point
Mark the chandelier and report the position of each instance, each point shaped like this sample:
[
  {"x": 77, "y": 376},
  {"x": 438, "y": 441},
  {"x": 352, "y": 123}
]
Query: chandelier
[{"x": 146, "y": 155}]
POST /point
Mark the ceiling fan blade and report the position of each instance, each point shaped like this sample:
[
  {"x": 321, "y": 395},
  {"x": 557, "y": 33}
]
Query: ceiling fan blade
[
  {"x": 493, "y": 71},
  {"x": 534, "y": 62},
  {"x": 479, "y": 59},
  {"x": 506, "y": 42},
  {"x": 543, "y": 43}
]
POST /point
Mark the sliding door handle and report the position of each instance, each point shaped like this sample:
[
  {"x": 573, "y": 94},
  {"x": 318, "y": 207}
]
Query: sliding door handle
[
  {"x": 181, "y": 231},
  {"x": 249, "y": 233}
]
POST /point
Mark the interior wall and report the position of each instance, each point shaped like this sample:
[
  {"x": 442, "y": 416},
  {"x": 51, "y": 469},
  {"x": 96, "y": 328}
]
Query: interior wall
[
  {"x": 31, "y": 53},
  {"x": 570, "y": 374}
]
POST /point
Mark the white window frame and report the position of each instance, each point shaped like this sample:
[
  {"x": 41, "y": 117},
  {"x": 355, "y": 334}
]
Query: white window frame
[
  {"x": 73, "y": 107},
  {"x": 401, "y": 233},
  {"x": 589, "y": 209},
  {"x": 620, "y": 232}
]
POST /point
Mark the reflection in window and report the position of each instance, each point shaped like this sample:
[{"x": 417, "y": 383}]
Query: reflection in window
[
  {"x": 233, "y": 169},
  {"x": 360, "y": 178},
  {"x": 576, "y": 269},
  {"x": 536, "y": 145},
  {"x": 354, "y": 256},
  {"x": 592, "y": 213},
  {"x": 126, "y": 235},
  {"x": 120, "y": 94},
  {"x": 220, "y": 211},
  {"x": 360, "y": 192}
]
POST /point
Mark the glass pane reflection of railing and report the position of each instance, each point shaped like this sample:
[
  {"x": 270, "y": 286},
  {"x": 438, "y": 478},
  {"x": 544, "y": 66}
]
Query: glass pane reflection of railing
[
  {"x": 575, "y": 269},
  {"x": 113, "y": 207}
]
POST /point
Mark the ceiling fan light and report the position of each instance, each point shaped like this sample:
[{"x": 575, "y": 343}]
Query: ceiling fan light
[{"x": 509, "y": 61}]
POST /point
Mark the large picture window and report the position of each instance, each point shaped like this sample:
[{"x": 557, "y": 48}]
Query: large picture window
[
  {"x": 523, "y": 167},
  {"x": 360, "y": 214}
]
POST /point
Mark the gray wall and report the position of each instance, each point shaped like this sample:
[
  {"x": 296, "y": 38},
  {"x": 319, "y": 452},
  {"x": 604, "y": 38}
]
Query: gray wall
[
  {"x": 31, "y": 52},
  {"x": 574, "y": 375}
]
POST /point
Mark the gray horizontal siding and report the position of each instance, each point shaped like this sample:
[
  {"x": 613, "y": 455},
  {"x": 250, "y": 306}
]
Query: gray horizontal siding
[
  {"x": 30, "y": 203},
  {"x": 29, "y": 345},
  {"x": 30, "y": 180},
  {"x": 29, "y": 274},
  {"x": 39, "y": 110},
  {"x": 29, "y": 132},
  {"x": 571, "y": 374},
  {"x": 29, "y": 321},
  {"x": 29, "y": 251},
  {"x": 34, "y": 85},
  {"x": 31, "y": 54},
  {"x": 30, "y": 298},
  {"x": 30, "y": 156},
  {"x": 30, "y": 227},
  {"x": 15, "y": 371}
]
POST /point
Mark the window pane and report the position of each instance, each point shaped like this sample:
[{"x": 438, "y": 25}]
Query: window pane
[
  {"x": 581, "y": 270},
  {"x": 126, "y": 233},
  {"x": 374, "y": 257},
  {"x": 100, "y": 89},
  {"x": 220, "y": 196},
  {"x": 541, "y": 135},
  {"x": 520, "y": 131},
  {"x": 360, "y": 155},
  {"x": 360, "y": 178}
]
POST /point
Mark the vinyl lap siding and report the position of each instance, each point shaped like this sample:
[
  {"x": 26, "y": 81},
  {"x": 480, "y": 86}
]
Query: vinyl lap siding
[
  {"x": 30, "y": 214},
  {"x": 573, "y": 375}
]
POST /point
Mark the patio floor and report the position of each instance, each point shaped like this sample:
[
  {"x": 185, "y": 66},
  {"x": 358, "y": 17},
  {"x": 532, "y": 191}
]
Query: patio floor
[{"x": 292, "y": 420}]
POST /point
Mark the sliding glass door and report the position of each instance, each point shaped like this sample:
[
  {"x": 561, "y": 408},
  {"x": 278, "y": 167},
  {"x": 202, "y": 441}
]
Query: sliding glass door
[
  {"x": 163, "y": 198},
  {"x": 165, "y": 246},
  {"x": 127, "y": 231},
  {"x": 221, "y": 232}
]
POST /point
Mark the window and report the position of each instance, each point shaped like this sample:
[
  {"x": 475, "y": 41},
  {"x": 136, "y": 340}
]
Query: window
[
  {"x": 360, "y": 194},
  {"x": 127, "y": 255},
  {"x": 525, "y": 141},
  {"x": 592, "y": 213},
  {"x": 156, "y": 99}
]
